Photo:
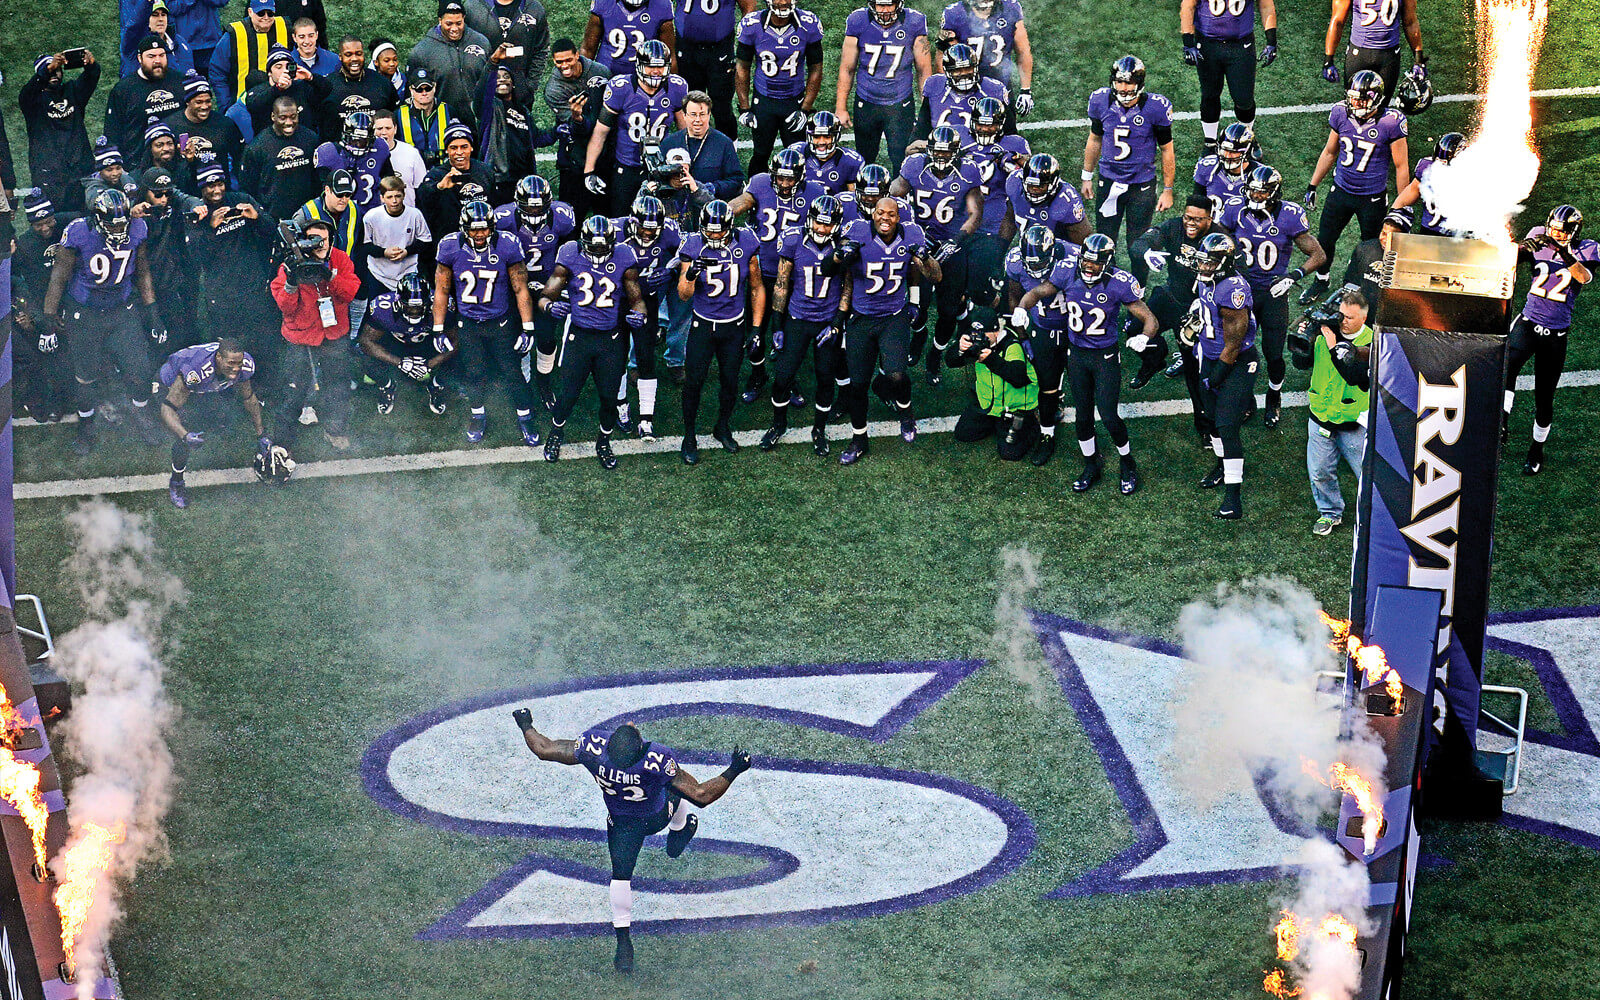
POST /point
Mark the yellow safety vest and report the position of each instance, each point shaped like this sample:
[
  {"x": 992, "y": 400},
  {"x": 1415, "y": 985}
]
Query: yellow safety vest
[
  {"x": 247, "y": 57},
  {"x": 314, "y": 210},
  {"x": 432, "y": 136}
]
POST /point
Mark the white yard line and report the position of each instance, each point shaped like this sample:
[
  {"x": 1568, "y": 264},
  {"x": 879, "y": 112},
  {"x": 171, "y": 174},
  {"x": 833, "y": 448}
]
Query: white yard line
[{"x": 584, "y": 450}]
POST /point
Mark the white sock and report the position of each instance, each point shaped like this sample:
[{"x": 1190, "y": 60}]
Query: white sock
[
  {"x": 1048, "y": 431},
  {"x": 1233, "y": 471},
  {"x": 680, "y": 816},
  {"x": 479, "y": 411},
  {"x": 1510, "y": 396},
  {"x": 1275, "y": 386},
  {"x": 1125, "y": 449},
  {"x": 547, "y": 362},
  {"x": 1087, "y": 447},
  {"x": 621, "y": 903},
  {"x": 1541, "y": 434},
  {"x": 647, "y": 397},
  {"x": 1216, "y": 445},
  {"x": 1210, "y": 130}
]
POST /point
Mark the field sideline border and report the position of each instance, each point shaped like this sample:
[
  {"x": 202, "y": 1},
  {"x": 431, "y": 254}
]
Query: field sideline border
[{"x": 584, "y": 450}]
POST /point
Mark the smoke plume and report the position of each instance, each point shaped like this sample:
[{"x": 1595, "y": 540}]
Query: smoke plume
[
  {"x": 1014, "y": 642},
  {"x": 118, "y": 726},
  {"x": 1250, "y": 700}
]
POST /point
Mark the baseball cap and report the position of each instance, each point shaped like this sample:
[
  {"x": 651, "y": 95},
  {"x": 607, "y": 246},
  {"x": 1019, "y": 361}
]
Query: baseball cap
[
  {"x": 159, "y": 5},
  {"x": 211, "y": 173},
  {"x": 157, "y": 179},
  {"x": 262, "y": 6},
  {"x": 150, "y": 43},
  {"x": 342, "y": 183},
  {"x": 420, "y": 78}
]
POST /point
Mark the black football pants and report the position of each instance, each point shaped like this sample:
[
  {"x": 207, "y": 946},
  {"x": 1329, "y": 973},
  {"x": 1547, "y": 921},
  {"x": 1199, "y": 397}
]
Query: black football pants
[
  {"x": 1095, "y": 375},
  {"x": 710, "y": 339},
  {"x": 1548, "y": 349},
  {"x": 601, "y": 353},
  {"x": 1231, "y": 61}
]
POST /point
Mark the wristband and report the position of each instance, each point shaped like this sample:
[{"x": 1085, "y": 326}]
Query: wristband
[
  {"x": 1088, "y": 175},
  {"x": 1189, "y": 42},
  {"x": 438, "y": 328},
  {"x": 1272, "y": 36},
  {"x": 527, "y": 326},
  {"x": 1298, "y": 273}
]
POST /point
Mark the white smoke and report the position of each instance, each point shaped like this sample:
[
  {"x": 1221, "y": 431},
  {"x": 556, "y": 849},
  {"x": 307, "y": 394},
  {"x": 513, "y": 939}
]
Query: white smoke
[
  {"x": 1480, "y": 191},
  {"x": 117, "y": 729},
  {"x": 1014, "y": 644},
  {"x": 1250, "y": 699},
  {"x": 1328, "y": 883}
]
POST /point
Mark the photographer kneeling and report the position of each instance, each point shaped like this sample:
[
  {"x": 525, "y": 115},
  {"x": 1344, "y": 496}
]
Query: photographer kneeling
[
  {"x": 1005, "y": 388},
  {"x": 1333, "y": 340}
]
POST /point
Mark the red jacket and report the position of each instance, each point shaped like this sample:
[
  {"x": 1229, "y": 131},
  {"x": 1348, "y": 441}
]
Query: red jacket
[{"x": 302, "y": 320}]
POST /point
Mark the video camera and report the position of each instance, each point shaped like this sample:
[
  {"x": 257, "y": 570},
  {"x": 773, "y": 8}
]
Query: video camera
[
  {"x": 1302, "y": 335},
  {"x": 663, "y": 168},
  {"x": 300, "y": 255}
]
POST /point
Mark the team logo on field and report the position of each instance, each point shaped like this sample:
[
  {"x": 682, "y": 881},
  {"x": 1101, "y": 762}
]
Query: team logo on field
[{"x": 815, "y": 829}]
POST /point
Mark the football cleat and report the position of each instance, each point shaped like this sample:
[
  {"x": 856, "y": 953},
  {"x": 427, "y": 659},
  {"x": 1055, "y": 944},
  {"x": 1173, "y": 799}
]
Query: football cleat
[
  {"x": 437, "y": 398},
  {"x": 724, "y": 437},
  {"x": 857, "y": 450},
  {"x": 677, "y": 840},
  {"x": 770, "y": 439},
  {"x": 908, "y": 429},
  {"x": 477, "y": 423},
  {"x": 1088, "y": 477},
  {"x": 646, "y": 429},
  {"x": 1213, "y": 479},
  {"x": 552, "y": 445},
  {"x": 1130, "y": 476},
  {"x": 177, "y": 491},
  {"x": 530, "y": 433},
  {"x": 756, "y": 382},
  {"x": 603, "y": 452},
  {"x": 1535, "y": 461},
  {"x": 1149, "y": 367},
  {"x": 819, "y": 440},
  {"x": 547, "y": 396},
  {"x": 1232, "y": 508},
  {"x": 385, "y": 399},
  {"x": 623, "y": 962},
  {"x": 1274, "y": 411},
  {"x": 1043, "y": 451},
  {"x": 690, "y": 451}
]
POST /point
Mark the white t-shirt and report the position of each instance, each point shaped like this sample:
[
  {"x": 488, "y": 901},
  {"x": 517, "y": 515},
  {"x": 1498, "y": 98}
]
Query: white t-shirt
[
  {"x": 408, "y": 166},
  {"x": 381, "y": 229}
]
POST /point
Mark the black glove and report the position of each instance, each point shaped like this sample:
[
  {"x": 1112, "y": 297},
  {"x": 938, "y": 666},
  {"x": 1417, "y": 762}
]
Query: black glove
[
  {"x": 524, "y": 718},
  {"x": 738, "y": 765},
  {"x": 848, "y": 253}
]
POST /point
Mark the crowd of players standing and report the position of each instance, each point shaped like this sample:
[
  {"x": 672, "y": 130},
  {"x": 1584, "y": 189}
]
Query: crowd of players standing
[{"x": 438, "y": 255}]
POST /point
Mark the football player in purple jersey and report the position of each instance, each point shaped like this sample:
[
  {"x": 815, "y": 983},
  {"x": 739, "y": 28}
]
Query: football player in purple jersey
[
  {"x": 481, "y": 268},
  {"x": 951, "y": 98},
  {"x": 1374, "y": 41},
  {"x": 883, "y": 258},
  {"x": 361, "y": 152},
  {"x": 886, "y": 58},
  {"x": 828, "y": 164},
  {"x": 600, "y": 274},
  {"x": 997, "y": 34},
  {"x": 542, "y": 224},
  {"x": 783, "y": 48},
  {"x": 1221, "y": 175},
  {"x": 1445, "y": 149},
  {"x": 654, "y": 240},
  {"x": 811, "y": 302},
  {"x": 1269, "y": 230},
  {"x": 397, "y": 335},
  {"x": 1090, "y": 293},
  {"x": 948, "y": 196},
  {"x": 1036, "y": 195},
  {"x": 719, "y": 274},
  {"x": 618, "y": 30},
  {"x": 1365, "y": 141},
  {"x": 645, "y": 791},
  {"x": 1225, "y": 347},
  {"x": 1129, "y": 129},
  {"x": 778, "y": 199},
  {"x": 641, "y": 107},
  {"x": 200, "y": 378},
  {"x": 1029, "y": 265},
  {"x": 995, "y": 155},
  {"x": 1219, "y": 40},
  {"x": 99, "y": 265},
  {"x": 1562, "y": 265}
]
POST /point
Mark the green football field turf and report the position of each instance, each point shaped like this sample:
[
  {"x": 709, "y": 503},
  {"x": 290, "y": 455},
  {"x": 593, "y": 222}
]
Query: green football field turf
[{"x": 326, "y": 613}]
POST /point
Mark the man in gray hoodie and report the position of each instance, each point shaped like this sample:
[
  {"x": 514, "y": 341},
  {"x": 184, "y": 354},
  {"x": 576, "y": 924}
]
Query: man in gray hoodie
[{"x": 457, "y": 57}]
